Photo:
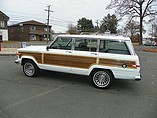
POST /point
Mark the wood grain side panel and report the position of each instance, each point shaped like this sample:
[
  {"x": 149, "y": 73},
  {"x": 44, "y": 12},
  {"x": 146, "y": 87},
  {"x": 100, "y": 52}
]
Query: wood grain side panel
[
  {"x": 36, "y": 56},
  {"x": 56, "y": 59},
  {"x": 83, "y": 62},
  {"x": 69, "y": 60},
  {"x": 116, "y": 63}
]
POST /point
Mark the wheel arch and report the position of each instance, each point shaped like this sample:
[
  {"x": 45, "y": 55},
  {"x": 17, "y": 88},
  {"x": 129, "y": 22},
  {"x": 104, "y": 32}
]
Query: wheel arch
[
  {"x": 29, "y": 64},
  {"x": 24, "y": 58},
  {"x": 99, "y": 69}
]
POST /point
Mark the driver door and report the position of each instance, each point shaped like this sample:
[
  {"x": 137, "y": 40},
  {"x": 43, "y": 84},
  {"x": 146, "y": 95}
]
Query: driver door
[{"x": 58, "y": 56}]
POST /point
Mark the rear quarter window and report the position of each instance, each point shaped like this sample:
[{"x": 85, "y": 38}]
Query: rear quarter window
[{"x": 114, "y": 47}]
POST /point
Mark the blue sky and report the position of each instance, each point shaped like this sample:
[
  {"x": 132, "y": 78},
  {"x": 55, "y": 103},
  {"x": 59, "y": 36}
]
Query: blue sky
[{"x": 65, "y": 11}]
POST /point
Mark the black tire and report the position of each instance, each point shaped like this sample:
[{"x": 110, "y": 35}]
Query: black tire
[
  {"x": 30, "y": 69},
  {"x": 102, "y": 79}
]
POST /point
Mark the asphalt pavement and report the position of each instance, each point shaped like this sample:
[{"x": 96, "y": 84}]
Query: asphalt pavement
[{"x": 60, "y": 95}]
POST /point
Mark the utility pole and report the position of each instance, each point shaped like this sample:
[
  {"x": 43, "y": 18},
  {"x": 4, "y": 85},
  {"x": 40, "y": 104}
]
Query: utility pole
[
  {"x": 97, "y": 23},
  {"x": 48, "y": 21}
]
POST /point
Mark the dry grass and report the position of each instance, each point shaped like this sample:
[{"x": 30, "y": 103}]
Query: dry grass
[{"x": 150, "y": 50}]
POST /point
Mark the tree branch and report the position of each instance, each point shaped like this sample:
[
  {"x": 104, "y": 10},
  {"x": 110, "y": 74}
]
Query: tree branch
[{"x": 146, "y": 8}]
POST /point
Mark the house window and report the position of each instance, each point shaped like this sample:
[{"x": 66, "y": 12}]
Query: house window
[
  {"x": 32, "y": 28},
  {"x": 46, "y": 29},
  {"x": 2, "y": 24},
  {"x": 12, "y": 30}
]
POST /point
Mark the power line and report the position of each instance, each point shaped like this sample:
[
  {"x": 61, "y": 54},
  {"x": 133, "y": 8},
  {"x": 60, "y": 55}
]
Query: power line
[
  {"x": 17, "y": 16},
  {"x": 20, "y": 12},
  {"x": 63, "y": 19},
  {"x": 59, "y": 25},
  {"x": 28, "y": 15}
]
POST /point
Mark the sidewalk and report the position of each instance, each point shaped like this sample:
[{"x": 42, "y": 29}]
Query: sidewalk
[{"x": 8, "y": 51}]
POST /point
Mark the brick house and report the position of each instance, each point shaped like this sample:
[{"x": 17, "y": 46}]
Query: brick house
[
  {"x": 29, "y": 30},
  {"x": 3, "y": 26}
]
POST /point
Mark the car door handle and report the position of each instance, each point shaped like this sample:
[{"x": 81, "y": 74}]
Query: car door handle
[
  {"x": 93, "y": 53},
  {"x": 68, "y": 51}
]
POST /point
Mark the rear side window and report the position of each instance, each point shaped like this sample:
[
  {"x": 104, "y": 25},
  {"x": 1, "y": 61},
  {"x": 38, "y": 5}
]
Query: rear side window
[{"x": 115, "y": 47}]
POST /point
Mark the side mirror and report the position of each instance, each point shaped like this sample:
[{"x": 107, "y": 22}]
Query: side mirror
[{"x": 47, "y": 48}]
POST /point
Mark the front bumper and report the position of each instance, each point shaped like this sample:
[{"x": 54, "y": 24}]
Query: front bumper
[{"x": 18, "y": 61}]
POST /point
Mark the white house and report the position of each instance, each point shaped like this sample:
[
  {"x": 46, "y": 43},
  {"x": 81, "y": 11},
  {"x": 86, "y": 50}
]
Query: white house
[{"x": 3, "y": 27}]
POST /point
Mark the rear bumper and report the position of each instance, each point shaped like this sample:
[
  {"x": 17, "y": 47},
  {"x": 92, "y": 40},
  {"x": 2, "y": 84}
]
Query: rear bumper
[{"x": 138, "y": 78}]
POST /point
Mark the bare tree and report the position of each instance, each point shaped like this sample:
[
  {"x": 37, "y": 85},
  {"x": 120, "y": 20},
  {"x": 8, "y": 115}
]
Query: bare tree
[
  {"x": 153, "y": 28},
  {"x": 72, "y": 29},
  {"x": 132, "y": 28},
  {"x": 134, "y": 8}
]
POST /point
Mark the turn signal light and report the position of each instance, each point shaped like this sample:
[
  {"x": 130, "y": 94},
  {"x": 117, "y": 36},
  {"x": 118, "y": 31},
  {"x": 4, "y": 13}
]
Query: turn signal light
[{"x": 19, "y": 54}]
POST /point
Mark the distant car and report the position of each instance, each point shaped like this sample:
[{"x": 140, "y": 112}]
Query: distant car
[
  {"x": 103, "y": 58},
  {"x": 150, "y": 43}
]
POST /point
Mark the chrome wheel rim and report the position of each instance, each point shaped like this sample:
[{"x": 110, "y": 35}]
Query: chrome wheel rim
[
  {"x": 101, "y": 79},
  {"x": 29, "y": 69}
]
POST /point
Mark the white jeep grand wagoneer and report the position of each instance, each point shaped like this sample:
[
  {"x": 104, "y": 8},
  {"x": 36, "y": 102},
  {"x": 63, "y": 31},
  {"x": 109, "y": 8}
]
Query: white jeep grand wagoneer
[{"x": 103, "y": 58}]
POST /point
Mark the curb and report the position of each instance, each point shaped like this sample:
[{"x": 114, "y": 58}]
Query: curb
[{"x": 8, "y": 54}]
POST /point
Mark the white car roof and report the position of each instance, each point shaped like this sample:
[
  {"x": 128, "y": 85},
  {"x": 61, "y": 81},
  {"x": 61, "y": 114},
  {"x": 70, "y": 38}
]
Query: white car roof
[{"x": 108, "y": 37}]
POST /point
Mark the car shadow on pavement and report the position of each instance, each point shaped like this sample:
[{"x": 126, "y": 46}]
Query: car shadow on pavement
[
  {"x": 125, "y": 85},
  {"x": 86, "y": 81},
  {"x": 64, "y": 77}
]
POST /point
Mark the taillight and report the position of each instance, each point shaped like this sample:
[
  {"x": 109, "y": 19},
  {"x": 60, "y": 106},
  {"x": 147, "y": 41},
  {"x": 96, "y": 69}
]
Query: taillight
[{"x": 135, "y": 66}]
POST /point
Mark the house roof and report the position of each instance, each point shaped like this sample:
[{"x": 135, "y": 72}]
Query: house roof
[
  {"x": 3, "y": 16},
  {"x": 31, "y": 22}
]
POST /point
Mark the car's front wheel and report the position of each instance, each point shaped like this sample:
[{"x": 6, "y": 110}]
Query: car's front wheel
[
  {"x": 30, "y": 69},
  {"x": 102, "y": 78}
]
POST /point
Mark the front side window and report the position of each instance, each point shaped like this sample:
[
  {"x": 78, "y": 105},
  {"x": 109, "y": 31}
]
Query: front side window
[
  {"x": 62, "y": 43},
  {"x": 82, "y": 44},
  {"x": 115, "y": 47}
]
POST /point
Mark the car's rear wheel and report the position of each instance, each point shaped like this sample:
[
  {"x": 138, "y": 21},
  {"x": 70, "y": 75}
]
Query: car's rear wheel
[
  {"x": 102, "y": 78},
  {"x": 30, "y": 69}
]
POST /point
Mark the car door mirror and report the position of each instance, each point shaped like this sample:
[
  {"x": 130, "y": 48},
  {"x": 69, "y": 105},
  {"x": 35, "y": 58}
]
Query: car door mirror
[{"x": 47, "y": 48}]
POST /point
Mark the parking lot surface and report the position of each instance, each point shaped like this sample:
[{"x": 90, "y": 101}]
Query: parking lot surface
[{"x": 60, "y": 95}]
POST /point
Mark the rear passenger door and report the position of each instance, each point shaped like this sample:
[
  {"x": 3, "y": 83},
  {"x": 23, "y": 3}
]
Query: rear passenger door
[{"x": 84, "y": 55}]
